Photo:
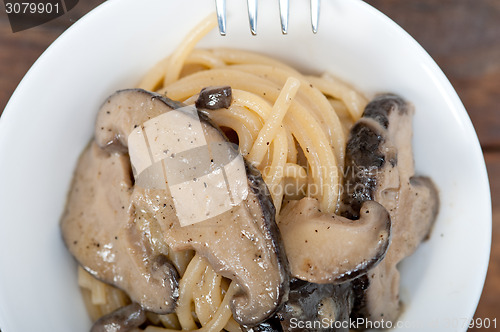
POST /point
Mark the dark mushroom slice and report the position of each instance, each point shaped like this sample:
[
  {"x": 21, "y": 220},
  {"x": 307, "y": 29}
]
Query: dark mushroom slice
[
  {"x": 327, "y": 248},
  {"x": 99, "y": 230},
  {"x": 311, "y": 307},
  {"x": 214, "y": 97},
  {"x": 243, "y": 243},
  {"x": 371, "y": 156},
  {"x": 380, "y": 167},
  {"x": 272, "y": 324},
  {"x": 121, "y": 320}
]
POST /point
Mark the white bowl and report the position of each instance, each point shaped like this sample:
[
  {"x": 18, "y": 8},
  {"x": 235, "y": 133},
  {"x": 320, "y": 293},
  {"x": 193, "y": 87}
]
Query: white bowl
[{"x": 50, "y": 119}]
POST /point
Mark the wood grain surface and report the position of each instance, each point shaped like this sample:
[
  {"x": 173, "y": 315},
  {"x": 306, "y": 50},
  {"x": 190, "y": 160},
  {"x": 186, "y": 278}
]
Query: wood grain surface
[{"x": 463, "y": 36}]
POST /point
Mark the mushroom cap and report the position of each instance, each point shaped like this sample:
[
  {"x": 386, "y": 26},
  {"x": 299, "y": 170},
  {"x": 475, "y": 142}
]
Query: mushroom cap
[{"x": 327, "y": 248}]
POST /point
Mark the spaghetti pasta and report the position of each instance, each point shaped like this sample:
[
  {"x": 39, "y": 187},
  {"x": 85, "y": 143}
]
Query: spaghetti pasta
[{"x": 287, "y": 125}]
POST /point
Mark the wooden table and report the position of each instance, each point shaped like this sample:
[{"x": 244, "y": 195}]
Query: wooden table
[{"x": 463, "y": 36}]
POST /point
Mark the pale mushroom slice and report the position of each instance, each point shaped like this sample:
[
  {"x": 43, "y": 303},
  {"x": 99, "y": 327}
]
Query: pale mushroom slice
[
  {"x": 241, "y": 242},
  {"x": 327, "y": 248},
  {"x": 124, "y": 111},
  {"x": 99, "y": 230},
  {"x": 379, "y": 160}
]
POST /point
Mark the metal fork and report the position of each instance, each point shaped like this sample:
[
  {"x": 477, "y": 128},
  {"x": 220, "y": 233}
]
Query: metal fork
[{"x": 252, "y": 15}]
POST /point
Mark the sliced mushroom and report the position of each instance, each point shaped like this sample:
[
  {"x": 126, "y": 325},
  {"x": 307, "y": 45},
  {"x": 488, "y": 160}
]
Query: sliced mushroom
[
  {"x": 424, "y": 206},
  {"x": 242, "y": 243},
  {"x": 215, "y": 97},
  {"x": 327, "y": 248},
  {"x": 121, "y": 320},
  {"x": 122, "y": 112},
  {"x": 379, "y": 160},
  {"x": 99, "y": 229}
]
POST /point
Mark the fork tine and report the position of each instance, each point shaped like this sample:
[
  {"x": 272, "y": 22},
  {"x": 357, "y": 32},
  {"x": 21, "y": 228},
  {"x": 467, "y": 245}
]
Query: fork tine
[
  {"x": 315, "y": 4},
  {"x": 252, "y": 15},
  {"x": 220, "y": 6},
  {"x": 284, "y": 13}
]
